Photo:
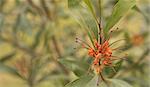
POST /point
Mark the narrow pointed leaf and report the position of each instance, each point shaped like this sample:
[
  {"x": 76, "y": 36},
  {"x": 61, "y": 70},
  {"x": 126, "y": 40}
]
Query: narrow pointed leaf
[
  {"x": 89, "y": 4},
  {"x": 81, "y": 82},
  {"x": 94, "y": 28},
  {"x": 93, "y": 82},
  {"x": 116, "y": 68},
  {"x": 114, "y": 83},
  {"x": 87, "y": 22},
  {"x": 75, "y": 66},
  {"x": 90, "y": 81},
  {"x": 118, "y": 65},
  {"x": 120, "y": 9}
]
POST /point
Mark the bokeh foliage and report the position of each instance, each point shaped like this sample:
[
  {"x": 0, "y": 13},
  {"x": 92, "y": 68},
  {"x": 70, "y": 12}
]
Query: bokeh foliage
[{"x": 37, "y": 41}]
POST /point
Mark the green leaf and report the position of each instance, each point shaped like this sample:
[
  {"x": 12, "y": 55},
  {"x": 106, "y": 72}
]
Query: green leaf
[
  {"x": 90, "y": 36},
  {"x": 120, "y": 9},
  {"x": 114, "y": 83},
  {"x": 73, "y": 3},
  {"x": 90, "y": 81},
  {"x": 116, "y": 68},
  {"x": 81, "y": 82},
  {"x": 93, "y": 82},
  {"x": 87, "y": 22},
  {"x": 93, "y": 26},
  {"x": 89, "y": 4},
  {"x": 86, "y": 81},
  {"x": 69, "y": 63},
  {"x": 78, "y": 67},
  {"x": 112, "y": 71},
  {"x": 118, "y": 65}
]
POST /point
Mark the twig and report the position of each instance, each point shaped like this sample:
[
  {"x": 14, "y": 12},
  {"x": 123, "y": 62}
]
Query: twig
[
  {"x": 19, "y": 46},
  {"x": 37, "y": 8},
  {"x": 131, "y": 67},
  {"x": 46, "y": 11},
  {"x": 59, "y": 54}
]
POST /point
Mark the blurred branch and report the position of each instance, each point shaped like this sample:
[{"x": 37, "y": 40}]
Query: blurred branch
[
  {"x": 135, "y": 64},
  {"x": 146, "y": 52},
  {"x": 20, "y": 46},
  {"x": 59, "y": 54},
  {"x": 43, "y": 2},
  {"x": 37, "y": 8},
  {"x": 56, "y": 46},
  {"x": 7, "y": 56},
  {"x": 39, "y": 33}
]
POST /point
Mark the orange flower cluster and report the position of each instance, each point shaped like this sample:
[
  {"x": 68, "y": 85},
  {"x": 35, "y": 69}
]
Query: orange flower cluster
[
  {"x": 101, "y": 51},
  {"x": 102, "y": 55}
]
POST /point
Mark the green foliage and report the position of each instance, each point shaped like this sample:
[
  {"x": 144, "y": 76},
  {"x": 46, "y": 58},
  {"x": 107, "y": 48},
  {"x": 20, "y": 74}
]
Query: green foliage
[
  {"x": 78, "y": 67},
  {"x": 112, "y": 71},
  {"x": 120, "y": 9},
  {"x": 87, "y": 19},
  {"x": 89, "y": 81},
  {"x": 118, "y": 65},
  {"x": 93, "y": 29},
  {"x": 81, "y": 82},
  {"x": 89, "y": 4},
  {"x": 37, "y": 41},
  {"x": 115, "y": 83}
]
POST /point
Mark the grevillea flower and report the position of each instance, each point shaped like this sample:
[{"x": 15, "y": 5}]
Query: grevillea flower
[{"x": 101, "y": 52}]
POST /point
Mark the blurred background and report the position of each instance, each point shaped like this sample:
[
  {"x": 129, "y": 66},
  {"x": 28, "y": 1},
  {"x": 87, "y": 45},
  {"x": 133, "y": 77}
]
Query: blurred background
[{"x": 36, "y": 34}]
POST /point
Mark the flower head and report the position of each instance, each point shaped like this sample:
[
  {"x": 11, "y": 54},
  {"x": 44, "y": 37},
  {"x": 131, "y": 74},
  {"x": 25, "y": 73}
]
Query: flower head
[{"x": 101, "y": 52}]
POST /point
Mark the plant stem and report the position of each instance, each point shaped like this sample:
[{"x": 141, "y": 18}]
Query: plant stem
[
  {"x": 100, "y": 10},
  {"x": 37, "y": 8},
  {"x": 100, "y": 21},
  {"x": 46, "y": 11},
  {"x": 59, "y": 54}
]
